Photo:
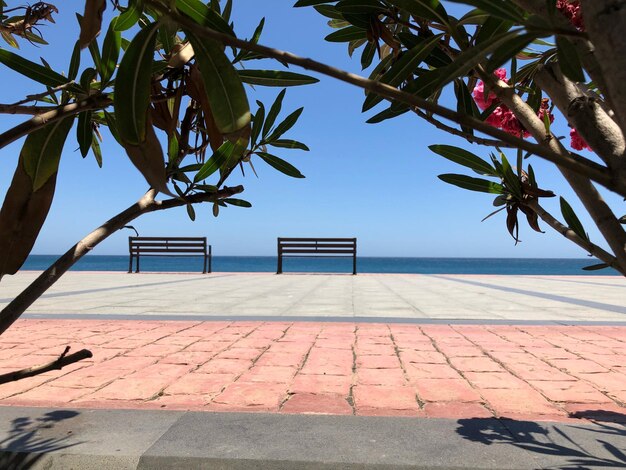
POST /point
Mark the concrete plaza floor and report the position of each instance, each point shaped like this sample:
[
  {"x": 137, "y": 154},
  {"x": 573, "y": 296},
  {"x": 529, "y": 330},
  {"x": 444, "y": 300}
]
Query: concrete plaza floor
[{"x": 383, "y": 296}]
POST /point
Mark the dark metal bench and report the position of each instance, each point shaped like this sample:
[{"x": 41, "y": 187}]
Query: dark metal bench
[
  {"x": 316, "y": 248},
  {"x": 169, "y": 246}
]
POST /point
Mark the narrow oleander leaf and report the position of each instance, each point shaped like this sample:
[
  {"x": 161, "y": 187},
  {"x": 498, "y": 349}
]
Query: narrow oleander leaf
[
  {"x": 426, "y": 9},
  {"x": 388, "y": 113},
  {"x": 596, "y": 267},
  {"x": 224, "y": 89},
  {"x": 84, "y": 132},
  {"x": 28, "y": 199},
  {"x": 275, "y": 78},
  {"x": 91, "y": 22},
  {"x": 622, "y": 220},
  {"x": 351, "y": 33},
  {"x": 148, "y": 158},
  {"x": 74, "y": 62},
  {"x": 132, "y": 93},
  {"x": 191, "y": 212},
  {"x": 216, "y": 209},
  {"x": 465, "y": 103},
  {"x": 360, "y": 7},
  {"x": 403, "y": 68},
  {"x": 32, "y": 70},
  {"x": 167, "y": 37},
  {"x": 284, "y": 126},
  {"x": 257, "y": 123},
  {"x": 130, "y": 17},
  {"x": 500, "y": 8},
  {"x": 97, "y": 151},
  {"x": 511, "y": 180},
  {"x": 111, "y": 123},
  {"x": 367, "y": 56},
  {"x": 572, "y": 220},
  {"x": 289, "y": 144},
  {"x": 309, "y": 3},
  {"x": 203, "y": 15},
  {"x": 493, "y": 26},
  {"x": 217, "y": 161},
  {"x": 508, "y": 50},
  {"x": 569, "y": 61},
  {"x": 9, "y": 39},
  {"x": 329, "y": 11},
  {"x": 237, "y": 202},
  {"x": 280, "y": 165},
  {"x": 110, "y": 52},
  {"x": 472, "y": 184},
  {"x": 273, "y": 113},
  {"x": 95, "y": 56},
  {"x": 465, "y": 158}
]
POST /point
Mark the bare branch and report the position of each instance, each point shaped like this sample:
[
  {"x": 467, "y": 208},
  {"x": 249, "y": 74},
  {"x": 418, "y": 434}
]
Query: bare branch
[
  {"x": 58, "y": 364},
  {"x": 21, "y": 109},
  {"x": 43, "y": 94},
  {"x": 46, "y": 279},
  {"x": 574, "y": 163},
  {"x": 568, "y": 233}
]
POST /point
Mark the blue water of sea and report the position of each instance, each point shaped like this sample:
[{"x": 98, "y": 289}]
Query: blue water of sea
[{"x": 510, "y": 266}]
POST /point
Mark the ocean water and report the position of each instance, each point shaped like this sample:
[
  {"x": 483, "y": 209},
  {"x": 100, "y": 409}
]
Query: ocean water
[{"x": 507, "y": 266}]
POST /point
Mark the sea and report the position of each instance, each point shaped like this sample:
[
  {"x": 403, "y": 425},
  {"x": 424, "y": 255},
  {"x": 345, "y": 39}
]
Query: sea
[{"x": 502, "y": 266}]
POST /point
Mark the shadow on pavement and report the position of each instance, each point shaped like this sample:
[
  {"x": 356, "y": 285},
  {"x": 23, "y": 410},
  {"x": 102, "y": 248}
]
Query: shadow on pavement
[
  {"x": 601, "y": 444},
  {"x": 22, "y": 446}
]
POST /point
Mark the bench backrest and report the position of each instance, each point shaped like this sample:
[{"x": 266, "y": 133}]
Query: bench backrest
[
  {"x": 141, "y": 245},
  {"x": 317, "y": 246}
]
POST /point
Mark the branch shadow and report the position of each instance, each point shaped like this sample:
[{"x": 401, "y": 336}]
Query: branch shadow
[
  {"x": 23, "y": 446},
  {"x": 601, "y": 443}
]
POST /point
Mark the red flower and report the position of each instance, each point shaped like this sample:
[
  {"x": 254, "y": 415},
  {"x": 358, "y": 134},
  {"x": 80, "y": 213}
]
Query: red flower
[
  {"x": 577, "y": 142},
  {"x": 483, "y": 101},
  {"x": 571, "y": 10}
]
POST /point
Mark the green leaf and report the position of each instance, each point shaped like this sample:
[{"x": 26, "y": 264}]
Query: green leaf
[
  {"x": 329, "y": 11},
  {"x": 465, "y": 158},
  {"x": 129, "y": 18},
  {"x": 110, "y": 52},
  {"x": 132, "y": 93},
  {"x": 257, "y": 123},
  {"x": 511, "y": 180},
  {"x": 217, "y": 161},
  {"x": 167, "y": 37},
  {"x": 191, "y": 212},
  {"x": 84, "y": 132},
  {"x": 237, "y": 202},
  {"x": 499, "y": 8},
  {"x": 42, "y": 151},
  {"x": 508, "y": 50},
  {"x": 426, "y": 9},
  {"x": 289, "y": 144},
  {"x": 367, "y": 56},
  {"x": 273, "y": 113},
  {"x": 112, "y": 125},
  {"x": 403, "y": 68},
  {"x": 74, "y": 62},
  {"x": 225, "y": 92},
  {"x": 285, "y": 125},
  {"x": 388, "y": 113},
  {"x": 97, "y": 152},
  {"x": 203, "y": 15},
  {"x": 32, "y": 70},
  {"x": 348, "y": 34},
  {"x": 569, "y": 61},
  {"x": 308, "y": 3},
  {"x": 473, "y": 184},
  {"x": 359, "y": 7},
  {"x": 280, "y": 164},
  {"x": 465, "y": 103},
  {"x": 274, "y": 78},
  {"x": 493, "y": 26},
  {"x": 572, "y": 220},
  {"x": 95, "y": 55},
  {"x": 596, "y": 267}
]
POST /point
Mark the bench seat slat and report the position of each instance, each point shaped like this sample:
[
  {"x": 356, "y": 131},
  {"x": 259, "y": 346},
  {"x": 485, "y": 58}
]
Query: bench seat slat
[
  {"x": 316, "y": 248},
  {"x": 313, "y": 252},
  {"x": 169, "y": 246}
]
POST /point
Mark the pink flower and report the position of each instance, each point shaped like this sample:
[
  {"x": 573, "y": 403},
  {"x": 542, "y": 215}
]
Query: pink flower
[
  {"x": 545, "y": 108},
  {"x": 483, "y": 101},
  {"x": 577, "y": 142},
  {"x": 571, "y": 10},
  {"x": 503, "y": 118}
]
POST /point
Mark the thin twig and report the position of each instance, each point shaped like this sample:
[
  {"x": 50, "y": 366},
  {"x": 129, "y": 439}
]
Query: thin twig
[
  {"x": 43, "y": 94},
  {"x": 58, "y": 364},
  {"x": 575, "y": 163}
]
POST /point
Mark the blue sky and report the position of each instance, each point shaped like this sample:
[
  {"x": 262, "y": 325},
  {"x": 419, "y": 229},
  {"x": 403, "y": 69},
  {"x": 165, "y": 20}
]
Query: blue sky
[{"x": 376, "y": 182}]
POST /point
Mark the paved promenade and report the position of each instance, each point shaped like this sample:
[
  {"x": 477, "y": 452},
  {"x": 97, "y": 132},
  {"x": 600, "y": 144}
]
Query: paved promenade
[{"x": 382, "y": 296}]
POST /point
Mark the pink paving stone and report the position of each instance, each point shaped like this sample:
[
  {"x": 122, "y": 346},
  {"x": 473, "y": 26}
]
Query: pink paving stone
[
  {"x": 424, "y": 357},
  {"x": 126, "y": 363},
  {"x": 269, "y": 374},
  {"x": 89, "y": 377},
  {"x": 130, "y": 389},
  {"x": 253, "y": 343},
  {"x": 250, "y": 394},
  {"x": 11, "y": 388},
  {"x": 225, "y": 366},
  {"x": 290, "y": 348},
  {"x": 539, "y": 372},
  {"x": 378, "y": 362},
  {"x": 457, "y": 390},
  {"x": 334, "y": 344},
  {"x": 430, "y": 371},
  {"x": 318, "y": 367},
  {"x": 619, "y": 396},
  {"x": 475, "y": 364},
  {"x": 200, "y": 384},
  {"x": 408, "y": 413},
  {"x": 23, "y": 362},
  {"x": 460, "y": 351},
  {"x": 374, "y": 349},
  {"x": 155, "y": 350},
  {"x": 497, "y": 380},
  {"x": 524, "y": 401},
  {"x": 597, "y": 412},
  {"x": 572, "y": 392},
  {"x": 384, "y": 397},
  {"x": 578, "y": 366},
  {"x": 127, "y": 343},
  {"x": 240, "y": 353},
  {"x": 455, "y": 410},
  {"x": 162, "y": 370},
  {"x": 280, "y": 359},
  {"x": 390, "y": 377},
  {"x": 187, "y": 358},
  {"x": 181, "y": 402},
  {"x": 311, "y": 403},
  {"x": 608, "y": 381},
  {"x": 49, "y": 394},
  {"x": 321, "y": 384}
]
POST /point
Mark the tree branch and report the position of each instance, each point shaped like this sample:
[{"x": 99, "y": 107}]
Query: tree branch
[
  {"x": 25, "y": 109},
  {"x": 585, "y": 113},
  {"x": 568, "y": 233},
  {"x": 575, "y": 163},
  {"x": 57, "y": 364},
  {"x": 146, "y": 204}
]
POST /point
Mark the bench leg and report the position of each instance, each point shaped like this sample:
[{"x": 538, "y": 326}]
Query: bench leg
[
  {"x": 137, "y": 264},
  {"x": 279, "y": 268},
  {"x": 130, "y": 264}
]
